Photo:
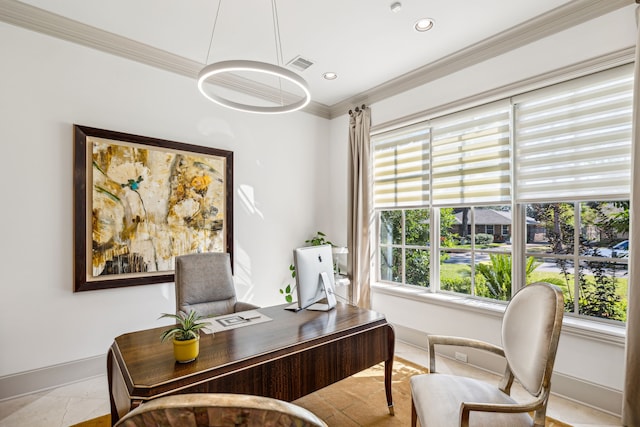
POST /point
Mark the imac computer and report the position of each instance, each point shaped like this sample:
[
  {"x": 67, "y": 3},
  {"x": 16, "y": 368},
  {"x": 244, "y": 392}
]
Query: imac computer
[{"x": 314, "y": 277}]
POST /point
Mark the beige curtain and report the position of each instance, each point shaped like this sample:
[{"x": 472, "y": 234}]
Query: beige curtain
[
  {"x": 631, "y": 394},
  {"x": 360, "y": 211}
]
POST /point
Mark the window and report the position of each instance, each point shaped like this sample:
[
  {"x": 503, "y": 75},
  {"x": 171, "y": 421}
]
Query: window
[
  {"x": 401, "y": 179},
  {"x": 474, "y": 263},
  {"x": 580, "y": 247},
  {"x": 404, "y": 246},
  {"x": 521, "y": 190},
  {"x": 573, "y": 169}
]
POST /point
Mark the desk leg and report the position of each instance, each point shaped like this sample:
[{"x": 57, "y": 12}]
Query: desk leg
[
  {"x": 119, "y": 399},
  {"x": 388, "y": 367},
  {"x": 110, "y": 373}
]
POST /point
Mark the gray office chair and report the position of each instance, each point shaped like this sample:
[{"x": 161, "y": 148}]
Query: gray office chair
[
  {"x": 219, "y": 409},
  {"x": 204, "y": 283},
  {"x": 530, "y": 333}
]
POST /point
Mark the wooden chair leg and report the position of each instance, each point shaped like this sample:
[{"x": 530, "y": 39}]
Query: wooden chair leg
[{"x": 414, "y": 414}]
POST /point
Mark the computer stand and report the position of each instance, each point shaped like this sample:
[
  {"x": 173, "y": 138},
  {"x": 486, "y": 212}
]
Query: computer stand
[{"x": 329, "y": 292}]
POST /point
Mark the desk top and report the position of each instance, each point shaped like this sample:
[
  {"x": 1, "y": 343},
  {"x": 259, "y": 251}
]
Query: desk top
[{"x": 147, "y": 364}]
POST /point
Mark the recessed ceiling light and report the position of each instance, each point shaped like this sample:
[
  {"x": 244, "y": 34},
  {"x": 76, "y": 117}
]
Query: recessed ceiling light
[
  {"x": 395, "y": 7},
  {"x": 424, "y": 24},
  {"x": 330, "y": 76}
]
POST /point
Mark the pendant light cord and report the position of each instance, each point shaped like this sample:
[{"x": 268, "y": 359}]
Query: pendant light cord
[
  {"x": 278, "y": 43},
  {"x": 276, "y": 32},
  {"x": 213, "y": 31}
]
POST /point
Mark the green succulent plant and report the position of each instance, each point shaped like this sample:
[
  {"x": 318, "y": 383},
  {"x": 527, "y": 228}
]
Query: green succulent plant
[{"x": 187, "y": 326}]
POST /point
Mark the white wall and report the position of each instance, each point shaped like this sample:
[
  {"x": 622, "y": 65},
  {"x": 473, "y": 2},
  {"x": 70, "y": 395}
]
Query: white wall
[
  {"x": 47, "y": 85},
  {"x": 578, "y": 354}
]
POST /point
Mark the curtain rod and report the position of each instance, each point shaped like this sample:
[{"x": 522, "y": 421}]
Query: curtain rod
[{"x": 357, "y": 109}]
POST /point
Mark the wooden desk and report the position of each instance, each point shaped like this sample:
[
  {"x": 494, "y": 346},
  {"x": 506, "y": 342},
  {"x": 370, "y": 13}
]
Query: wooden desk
[{"x": 286, "y": 358}]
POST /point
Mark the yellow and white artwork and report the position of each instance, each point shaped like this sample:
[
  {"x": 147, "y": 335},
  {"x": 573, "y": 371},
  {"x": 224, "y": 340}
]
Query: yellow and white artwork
[{"x": 149, "y": 206}]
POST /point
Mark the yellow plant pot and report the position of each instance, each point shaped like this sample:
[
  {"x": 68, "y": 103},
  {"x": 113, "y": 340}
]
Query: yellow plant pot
[{"x": 186, "y": 351}]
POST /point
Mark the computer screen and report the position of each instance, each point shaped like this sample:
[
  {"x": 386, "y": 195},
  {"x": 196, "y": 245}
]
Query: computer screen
[{"x": 314, "y": 277}]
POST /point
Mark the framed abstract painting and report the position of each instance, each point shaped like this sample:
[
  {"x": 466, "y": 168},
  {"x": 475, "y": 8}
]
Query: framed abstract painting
[{"x": 139, "y": 202}]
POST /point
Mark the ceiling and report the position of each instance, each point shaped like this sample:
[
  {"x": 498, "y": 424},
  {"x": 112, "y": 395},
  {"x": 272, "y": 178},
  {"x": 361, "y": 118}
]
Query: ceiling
[{"x": 373, "y": 50}]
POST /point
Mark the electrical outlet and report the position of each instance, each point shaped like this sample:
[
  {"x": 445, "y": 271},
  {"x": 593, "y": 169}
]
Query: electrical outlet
[{"x": 461, "y": 357}]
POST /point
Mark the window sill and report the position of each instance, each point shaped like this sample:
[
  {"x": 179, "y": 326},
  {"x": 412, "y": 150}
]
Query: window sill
[{"x": 599, "y": 331}]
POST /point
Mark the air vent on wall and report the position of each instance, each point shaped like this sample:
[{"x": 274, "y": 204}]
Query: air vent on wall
[{"x": 300, "y": 63}]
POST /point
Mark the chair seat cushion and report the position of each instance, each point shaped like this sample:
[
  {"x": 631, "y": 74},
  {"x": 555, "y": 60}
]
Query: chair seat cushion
[{"x": 447, "y": 392}]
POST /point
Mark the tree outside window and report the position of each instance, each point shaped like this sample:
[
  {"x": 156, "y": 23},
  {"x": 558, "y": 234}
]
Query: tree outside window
[
  {"x": 582, "y": 248},
  {"x": 404, "y": 246}
]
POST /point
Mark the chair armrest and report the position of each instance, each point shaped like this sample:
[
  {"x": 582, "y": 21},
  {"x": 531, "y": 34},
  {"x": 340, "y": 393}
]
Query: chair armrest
[
  {"x": 433, "y": 340},
  {"x": 510, "y": 408}
]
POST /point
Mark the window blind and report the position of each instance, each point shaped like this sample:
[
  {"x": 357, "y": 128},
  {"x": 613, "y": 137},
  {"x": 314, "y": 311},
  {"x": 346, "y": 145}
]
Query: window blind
[
  {"x": 573, "y": 140},
  {"x": 471, "y": 157},
  {"x": 401, "y": 167}
]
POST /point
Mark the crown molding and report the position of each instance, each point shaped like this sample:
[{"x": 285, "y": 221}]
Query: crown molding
[
  {"x": 551, "y": 22},
  {"x": 561, "y": 18},
  {"x": 42, "y": 21}
]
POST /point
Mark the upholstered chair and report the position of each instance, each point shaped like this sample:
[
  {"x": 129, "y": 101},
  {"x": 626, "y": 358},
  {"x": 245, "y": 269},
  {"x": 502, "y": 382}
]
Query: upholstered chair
[
  {"x": 204, "y": 283},
  {"x": 218, "y": 409},
  {"x": 530, "y": 333}
]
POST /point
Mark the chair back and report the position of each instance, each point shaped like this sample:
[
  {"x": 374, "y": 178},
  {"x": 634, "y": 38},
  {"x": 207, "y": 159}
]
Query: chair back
[
  {"x": 204, "y": 283},
  {"x": 218, "y": 409},
  {"x": 530, "y": 333}
]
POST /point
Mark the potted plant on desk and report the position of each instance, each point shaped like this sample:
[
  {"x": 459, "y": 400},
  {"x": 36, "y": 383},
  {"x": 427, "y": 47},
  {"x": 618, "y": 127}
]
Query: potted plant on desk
[{"x": 185, "y": 334}]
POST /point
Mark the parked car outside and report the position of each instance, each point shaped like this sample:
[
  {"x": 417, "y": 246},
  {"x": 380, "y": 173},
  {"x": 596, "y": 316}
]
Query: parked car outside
[{"x": 619, "y": 250}]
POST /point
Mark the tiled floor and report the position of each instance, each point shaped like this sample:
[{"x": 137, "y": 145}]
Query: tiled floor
[
  {"x": 59, "y": 407},
  {"x": 70, "y": 404}
]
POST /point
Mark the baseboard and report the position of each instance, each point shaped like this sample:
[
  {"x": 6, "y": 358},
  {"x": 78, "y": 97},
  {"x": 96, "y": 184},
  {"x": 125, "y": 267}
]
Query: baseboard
[
  {"x": 36, "y": 380},
  {"x": 596, "y": 396},
  {"x": 578, "y": 390}
]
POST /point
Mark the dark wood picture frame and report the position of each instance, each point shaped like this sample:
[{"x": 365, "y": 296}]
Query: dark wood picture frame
[{"x": 186, "y": 172}]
